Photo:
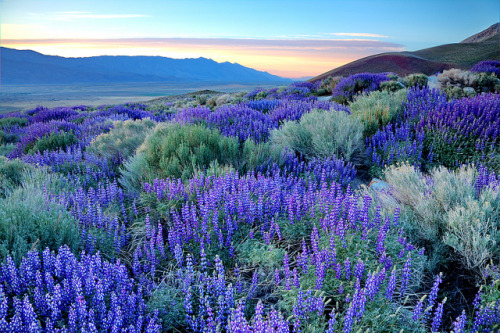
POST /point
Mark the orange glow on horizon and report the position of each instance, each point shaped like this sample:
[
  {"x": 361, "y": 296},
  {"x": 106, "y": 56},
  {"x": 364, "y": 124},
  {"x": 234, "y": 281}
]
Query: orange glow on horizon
[{"x": 291, "y": 62}]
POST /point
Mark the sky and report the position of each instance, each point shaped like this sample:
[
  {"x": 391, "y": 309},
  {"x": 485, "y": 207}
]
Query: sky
[{"x": 286, "y": 38}]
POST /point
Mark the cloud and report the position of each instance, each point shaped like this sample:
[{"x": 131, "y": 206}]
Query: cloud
[
  {"x": 357, "y": 34},
  {"x": 70, "y": 16},
  {"x": 279, "y": 44}
]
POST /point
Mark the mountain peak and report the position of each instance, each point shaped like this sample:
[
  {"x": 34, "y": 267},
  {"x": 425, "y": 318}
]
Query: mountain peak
[{"x": 494, "y": 30}]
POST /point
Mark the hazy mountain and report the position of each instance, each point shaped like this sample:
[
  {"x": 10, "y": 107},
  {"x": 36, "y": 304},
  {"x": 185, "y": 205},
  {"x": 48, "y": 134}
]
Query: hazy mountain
[
  {"x": 30, "y": 67},
  {"x": 481, "y": 46}
]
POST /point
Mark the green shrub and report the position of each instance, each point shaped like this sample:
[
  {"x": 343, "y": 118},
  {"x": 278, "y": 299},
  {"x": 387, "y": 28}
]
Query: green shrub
[
  {"x": 443, "y": 212},
  {"x": 11, "y": 174},
  {"x": 378, "y": 109},
  {"x": 202, "y": 99},
  {"x": 416, "y": 80},
  {"x": 168, "y": 299},
  {"x": 123, "y": 140},
  {"x": 322, "y": 134},
  {"x": 6, "y": 149},
  {"x": 328, "y": 84},
  {"x": 454, "y": 92},
  {"x": 7, "y": 138},
  {"x": 27, "y": 221},
  {"x": 176, "y": 151},
  {"x": 53, "y": 142},
  {"x": 487, "y": 82},
  {"x": 12, "y": 121},
  {"x": 391, "y": 86},
  {"x": 256, "y": 253}
]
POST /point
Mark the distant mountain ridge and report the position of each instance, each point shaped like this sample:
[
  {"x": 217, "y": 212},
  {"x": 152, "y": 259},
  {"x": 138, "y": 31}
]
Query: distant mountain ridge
[
  {"x": 30, "y": 67},
  {"x": 481, "y": 46}
]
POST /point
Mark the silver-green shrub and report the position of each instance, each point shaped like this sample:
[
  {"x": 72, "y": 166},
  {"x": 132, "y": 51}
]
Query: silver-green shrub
[
  {"x": 28, "y": 221},
  {"x": 378, "y": 109},
  {"x": 444, "y": 210},
  {"x": 322, "y": 134},
  {"x": 122, "y": 140}
]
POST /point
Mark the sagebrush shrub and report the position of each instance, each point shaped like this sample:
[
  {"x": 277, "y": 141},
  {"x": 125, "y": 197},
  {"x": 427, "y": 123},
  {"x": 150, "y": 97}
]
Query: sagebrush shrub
[
  {"x": 122, "y": 140},
  {"x": 391, "y": 86},
  {"x": 322, "y": 134},
  {"x": 28, "y": 221},
  {"x": 456, "y": 78},
  {"x": 12, "y": 121},
  {"x": 54, "y": 141},
  {"x": 11, "y": 174},
  {"x": 416, "y": 80},
  {"x": 448, "y": 209},
  {"x": 378, "y": 109},
  {"x": 180, "y": 151}
]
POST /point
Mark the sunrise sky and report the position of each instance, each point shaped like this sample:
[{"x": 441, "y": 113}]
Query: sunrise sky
[{"x": 287, "y": 38}]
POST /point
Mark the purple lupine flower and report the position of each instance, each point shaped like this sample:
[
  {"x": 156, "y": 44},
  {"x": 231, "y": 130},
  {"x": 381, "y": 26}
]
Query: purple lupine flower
[
  {"x": 417, "y": 311},
  {"x": 459, "y": 324},
  {"x": 405, "y": 277},
  {"x": 391, "y": 286},
  {"x": 438, "y": 315},
  {"x": 347, "y": 268}
]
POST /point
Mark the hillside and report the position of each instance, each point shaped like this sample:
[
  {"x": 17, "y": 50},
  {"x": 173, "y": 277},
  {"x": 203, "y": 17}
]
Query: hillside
[
  {"x": 29, "y": 67},
  {"x": 482, "y": 46},
  {"x": 494, "y": 30}
]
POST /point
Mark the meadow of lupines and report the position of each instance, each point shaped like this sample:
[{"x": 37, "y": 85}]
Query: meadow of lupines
[{"x": 297, "y": 243}]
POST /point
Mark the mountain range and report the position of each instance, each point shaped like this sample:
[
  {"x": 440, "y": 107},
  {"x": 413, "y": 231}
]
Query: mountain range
[
  {"x": 30, "y": 67},
  {"x": 484, "y": 45}
]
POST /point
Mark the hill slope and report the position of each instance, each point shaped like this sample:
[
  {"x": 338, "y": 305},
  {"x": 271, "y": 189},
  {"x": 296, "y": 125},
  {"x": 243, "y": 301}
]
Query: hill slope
[
  {"x": 482, "y": 46},
  {"x": 29, "y": 67}
]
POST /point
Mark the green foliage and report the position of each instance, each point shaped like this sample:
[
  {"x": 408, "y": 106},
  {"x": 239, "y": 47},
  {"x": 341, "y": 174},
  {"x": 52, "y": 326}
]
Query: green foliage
[
  {"x": 53, "y": 142},
  {"x": 12, "y": 121},
  {"x": 202, "y": 99},
  {"x": 391, "y": 86},
  {"x": 11, "y": 174},
  {"x": 328, "y": 84},
  {"x": 181, "y": 151},
  {"x": 168, "y": 299},
  {"x": 28, "y": 221},
  {"x": 487, "y": 82},
  {"x": 7, "y": 138},
  {"x": 134, "y": 172},
  {"x": 176, "y": 151},
  {"x": 416, "y": 80},
  {"x": 358, "y": 248},
  {"x": 378, "y": 109},
  {"x": 454, "y": 92},
  {"x": 443, "y": 212},
  {"x": 6, "y": 149},
  {"x": 322, "y": 134},
  {"x": 256, "y": 253},
  {"x": 123, "y": 140}
]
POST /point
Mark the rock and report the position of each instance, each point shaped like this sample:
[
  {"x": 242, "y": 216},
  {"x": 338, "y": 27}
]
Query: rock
[
  {"x": 469, "y": 90},
  {"x": 378, "y": 185}
]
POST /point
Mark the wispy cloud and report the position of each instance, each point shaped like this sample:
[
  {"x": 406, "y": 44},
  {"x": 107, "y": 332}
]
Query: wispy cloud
[
  {"x": 307, "y": 44},
  {"x": 70, "y": 16},
  {"x": 357, "y": 34}
]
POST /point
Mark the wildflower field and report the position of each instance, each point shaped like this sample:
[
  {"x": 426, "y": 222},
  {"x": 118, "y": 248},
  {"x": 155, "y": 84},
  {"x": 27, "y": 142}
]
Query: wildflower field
[{"x": 258, "y": 212}]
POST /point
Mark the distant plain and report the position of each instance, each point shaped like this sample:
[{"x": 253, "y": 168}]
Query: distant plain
[{"x": 22, "y": 97}]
